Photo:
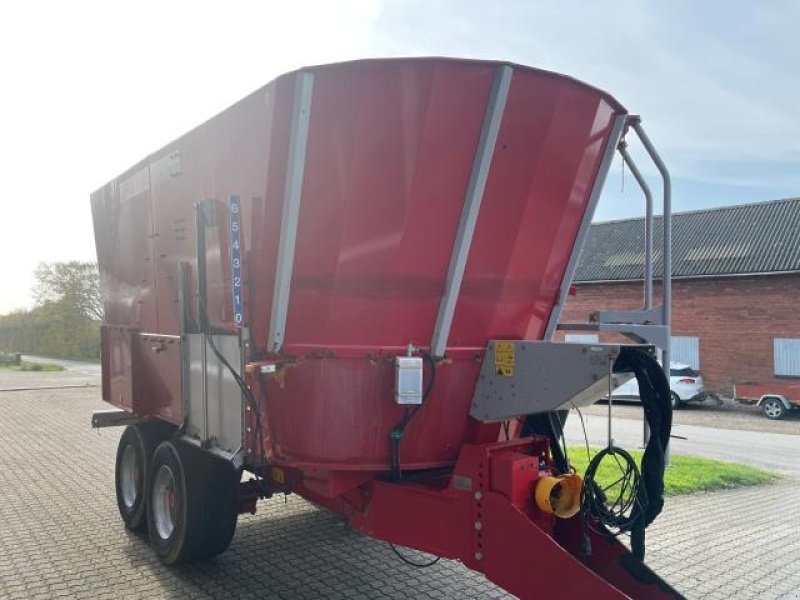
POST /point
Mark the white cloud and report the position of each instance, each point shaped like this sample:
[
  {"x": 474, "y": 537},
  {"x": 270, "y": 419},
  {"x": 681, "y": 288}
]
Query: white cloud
[
  {"x": 89, "y": 88},
  {"x": 712, "y": 79}
]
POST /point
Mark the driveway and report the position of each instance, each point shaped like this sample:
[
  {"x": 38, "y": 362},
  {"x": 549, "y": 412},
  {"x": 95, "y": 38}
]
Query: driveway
[{"x": 61, "y": 535}]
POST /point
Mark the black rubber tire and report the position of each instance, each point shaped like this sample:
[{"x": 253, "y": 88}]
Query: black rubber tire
[
  {"x": 675, "y": 401},
  {"x": 773, "y": 409},
  {"x": 143, "y": 438},
  {"x": 206, "y": 503}
]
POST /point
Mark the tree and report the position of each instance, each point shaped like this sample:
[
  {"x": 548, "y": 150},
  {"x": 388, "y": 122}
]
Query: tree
[
  {"x": 66, "y": 321},
  {"x": 71, "y": 284}
]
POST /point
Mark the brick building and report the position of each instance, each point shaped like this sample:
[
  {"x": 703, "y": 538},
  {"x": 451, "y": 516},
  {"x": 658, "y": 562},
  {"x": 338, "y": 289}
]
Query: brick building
[{"x": 736, "y": 290}]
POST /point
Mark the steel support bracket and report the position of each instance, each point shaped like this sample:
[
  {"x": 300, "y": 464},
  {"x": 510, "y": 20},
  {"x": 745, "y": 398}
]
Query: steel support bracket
[
  {"x": 113, "y": 418},
  {"x": 651, "y": 316},
  {"x": 530, "y": 377},
  {"x": 657, "y": 335}
]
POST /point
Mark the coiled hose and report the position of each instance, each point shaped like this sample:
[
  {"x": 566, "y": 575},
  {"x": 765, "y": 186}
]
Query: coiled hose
[{"x": 643, "y": 500}]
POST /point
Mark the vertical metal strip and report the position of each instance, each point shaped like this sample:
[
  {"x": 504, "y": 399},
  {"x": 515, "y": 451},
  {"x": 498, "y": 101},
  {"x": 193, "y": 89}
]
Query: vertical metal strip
[
  {"x": 583, "y": 232},
  {"x": 666, "y": 273},
  {"x": 472, "y": 203},
  {"x": 202, "y": 220},
  {"x": 304, "y": 87},
  {"x": 648, "y": 224},
  {"x": 183, "y": 304},
  {"x": 667, "y": 225},
  {"x": 183, "y": 298},
  {"x": 204, "y": 383}
]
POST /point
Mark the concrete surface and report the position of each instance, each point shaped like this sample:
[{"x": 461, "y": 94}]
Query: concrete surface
[{"x": 60, "y": 534}]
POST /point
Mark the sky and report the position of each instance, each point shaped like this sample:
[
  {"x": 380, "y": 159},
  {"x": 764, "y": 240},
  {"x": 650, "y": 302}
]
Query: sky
[{"x": 90, "y": 88}]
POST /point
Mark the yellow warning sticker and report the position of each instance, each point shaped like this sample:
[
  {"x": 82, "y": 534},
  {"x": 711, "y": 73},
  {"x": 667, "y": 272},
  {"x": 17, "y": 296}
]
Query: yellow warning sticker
[
  {"x": 504, "y": 358},
  {"x": 278, "y": 476}
]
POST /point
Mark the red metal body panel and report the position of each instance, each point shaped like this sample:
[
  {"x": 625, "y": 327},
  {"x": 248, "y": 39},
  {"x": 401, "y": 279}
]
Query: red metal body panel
[
  {"x": 346, "y": 419},
  {"x": 157, "y": 377},
  {"x": 387, "y": 166},
  {"x": 391, "y": 146},
  {"x": 142, "y": 372},
  {"x": 117, "y": 366},
  {"x": 550, "y": 144}
]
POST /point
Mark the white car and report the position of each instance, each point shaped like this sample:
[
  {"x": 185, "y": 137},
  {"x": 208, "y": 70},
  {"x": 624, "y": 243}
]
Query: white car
[{"x": 686, "y": 385}]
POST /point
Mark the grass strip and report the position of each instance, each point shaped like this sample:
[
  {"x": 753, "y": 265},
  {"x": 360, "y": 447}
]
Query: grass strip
[
  {"x": 33, "y": 366},
  {"x": 685, "y": 475}
]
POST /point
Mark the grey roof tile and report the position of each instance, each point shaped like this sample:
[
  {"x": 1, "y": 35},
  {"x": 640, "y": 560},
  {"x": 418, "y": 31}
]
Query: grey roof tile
[{"x": 762, "y": 237}]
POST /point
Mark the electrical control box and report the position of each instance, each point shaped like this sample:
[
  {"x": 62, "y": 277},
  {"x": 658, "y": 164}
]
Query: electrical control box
[{"x": 408, "y": 380}]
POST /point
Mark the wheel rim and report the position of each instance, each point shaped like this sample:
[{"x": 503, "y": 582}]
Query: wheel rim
[
  {"x": 129, "y": 477},
  {"x": 772, "y": 409},
  {"x": 164, "y": 501}
]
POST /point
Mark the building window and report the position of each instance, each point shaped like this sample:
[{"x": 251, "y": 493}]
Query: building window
[
  {"x": 786, "y": 353},
  {"x": 685, "y": 349},
  {"x": 580, "y": 338}
]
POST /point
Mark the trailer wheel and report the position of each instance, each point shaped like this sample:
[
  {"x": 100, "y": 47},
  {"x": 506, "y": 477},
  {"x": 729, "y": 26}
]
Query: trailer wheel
[
  {"x": 193, "y": 503},
  {"x": 134, "y": 452},
  {"x": 773, "y": 408}
]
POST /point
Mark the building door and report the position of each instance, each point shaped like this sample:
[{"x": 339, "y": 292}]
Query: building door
[{"x": 685, "y": 349}]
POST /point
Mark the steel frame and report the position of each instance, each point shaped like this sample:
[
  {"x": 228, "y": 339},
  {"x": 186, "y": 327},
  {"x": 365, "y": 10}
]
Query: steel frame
[
  {"x": 301, "y": 118},
  {"x": 651, "y": 324},
  {"x": 472, "y": 204},
  {"x": 483, "y": 515}
]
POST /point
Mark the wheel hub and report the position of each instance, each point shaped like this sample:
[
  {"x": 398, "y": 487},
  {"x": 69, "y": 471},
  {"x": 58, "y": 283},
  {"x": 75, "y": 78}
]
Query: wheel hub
[
  {"x": 164, "y": 501},
  {"x": 130, "y": 479}
]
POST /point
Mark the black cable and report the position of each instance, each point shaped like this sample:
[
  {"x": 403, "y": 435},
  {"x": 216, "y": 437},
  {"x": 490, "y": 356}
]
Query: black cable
[
  {"x": 621, "y": 513},
  {"x": 396, "y": 434},
  {"x": 645, "y": 487},
  {"x": 560, "y": 438},
  {"x": 201, "y": 222},
  {"x": 251, "y": 401},
  {"x": 411, "y": 562},
  {"x": 255, "y": 406},
  {"x": 585, "y": 435},
  {"x": 543, "y": 424}
]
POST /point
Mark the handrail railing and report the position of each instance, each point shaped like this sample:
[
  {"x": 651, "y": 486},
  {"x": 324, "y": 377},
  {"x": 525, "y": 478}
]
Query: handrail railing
[{"x": 652, "y": 324}]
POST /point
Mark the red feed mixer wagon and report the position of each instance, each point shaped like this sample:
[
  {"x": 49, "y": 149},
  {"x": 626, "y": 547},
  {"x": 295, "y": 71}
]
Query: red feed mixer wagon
[{"x": 347, "y": 285}]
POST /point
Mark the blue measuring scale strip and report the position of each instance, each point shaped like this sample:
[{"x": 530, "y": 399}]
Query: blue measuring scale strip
[{"x": 236, "y": 259}]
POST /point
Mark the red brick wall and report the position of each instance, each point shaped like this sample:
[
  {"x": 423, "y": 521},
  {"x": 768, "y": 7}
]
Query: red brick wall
[{"x": 736, "y": 319}]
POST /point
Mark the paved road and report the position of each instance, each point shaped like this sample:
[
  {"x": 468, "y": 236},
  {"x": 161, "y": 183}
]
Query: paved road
[
  {"x": 728, "y": 415},
  {"x": 77, "y": 366},
  {"x": 774, "y": 451},
  {"x": 60, "y": 534}
]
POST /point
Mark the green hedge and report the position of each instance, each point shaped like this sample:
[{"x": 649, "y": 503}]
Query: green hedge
[{"x": 53, "y": 329}]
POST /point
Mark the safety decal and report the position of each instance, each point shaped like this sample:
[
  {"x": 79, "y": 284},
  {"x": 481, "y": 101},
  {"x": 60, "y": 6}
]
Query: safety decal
[{"x": 504, "y": 359}]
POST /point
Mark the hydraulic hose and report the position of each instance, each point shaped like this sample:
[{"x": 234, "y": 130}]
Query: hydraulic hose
[{"x": 648, "y": 488}]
